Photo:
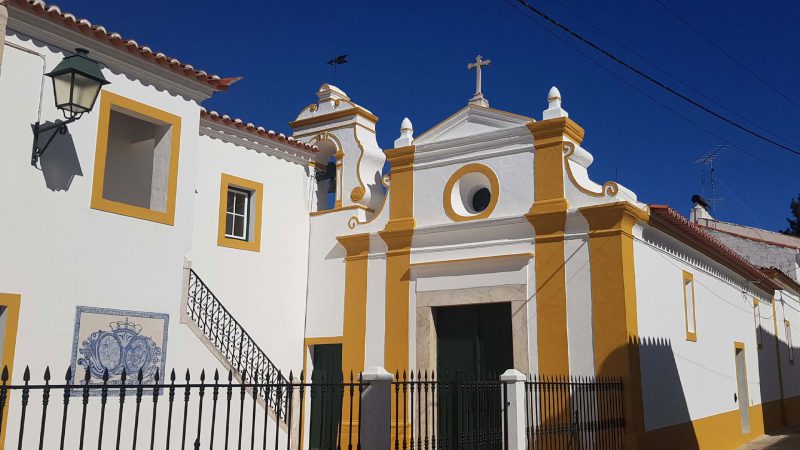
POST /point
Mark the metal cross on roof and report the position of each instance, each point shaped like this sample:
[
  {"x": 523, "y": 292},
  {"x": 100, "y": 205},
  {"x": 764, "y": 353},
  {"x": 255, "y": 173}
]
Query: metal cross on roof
[{"x": 478, "y": 99}]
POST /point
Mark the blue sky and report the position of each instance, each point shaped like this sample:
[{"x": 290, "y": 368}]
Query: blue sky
[{"x": 409, "y": 59}]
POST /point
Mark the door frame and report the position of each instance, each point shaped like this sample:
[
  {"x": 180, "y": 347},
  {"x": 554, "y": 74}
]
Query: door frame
[{"x": 744, "y": 408}]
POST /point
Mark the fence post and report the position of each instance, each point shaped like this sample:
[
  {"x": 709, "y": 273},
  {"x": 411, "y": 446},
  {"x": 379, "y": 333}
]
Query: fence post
[
  {"x": 514, "y": 410},
  {"x": 376, "y": 409}
]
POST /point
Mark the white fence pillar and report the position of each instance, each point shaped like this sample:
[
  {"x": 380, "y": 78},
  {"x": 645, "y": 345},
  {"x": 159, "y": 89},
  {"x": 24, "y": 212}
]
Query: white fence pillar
[
  {"x": 514, "y": 384},
  {"x": 376, "y": 409}
]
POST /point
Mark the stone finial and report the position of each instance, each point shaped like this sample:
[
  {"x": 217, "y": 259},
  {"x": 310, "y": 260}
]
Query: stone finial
[
  {"x": 406, "y": 134},
  {"x": 554, "y": 108}
]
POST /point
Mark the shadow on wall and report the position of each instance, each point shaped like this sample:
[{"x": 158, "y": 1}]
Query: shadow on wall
[
  {"x": 59, "y": 164},
  {"x": 662, "y": 393},
  {"x": 772, "y": 355}
]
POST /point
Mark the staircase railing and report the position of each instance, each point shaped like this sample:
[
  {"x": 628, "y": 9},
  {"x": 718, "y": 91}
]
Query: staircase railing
[{"x": 235, "y": 344}]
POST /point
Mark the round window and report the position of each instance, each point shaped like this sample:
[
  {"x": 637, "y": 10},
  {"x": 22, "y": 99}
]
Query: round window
[
  {"x": 481, "y": 199},
  {"x": 471, "y": 193}
]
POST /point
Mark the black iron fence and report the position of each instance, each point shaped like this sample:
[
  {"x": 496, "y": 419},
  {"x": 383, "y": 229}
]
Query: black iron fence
[
  {"x": 574, "y": 413},
  {"x": 449, "y": 414},
  {"x": 203, "y": 412},
  {"x": 219, "y": 412},
  {"x": 232, "y": 340}
]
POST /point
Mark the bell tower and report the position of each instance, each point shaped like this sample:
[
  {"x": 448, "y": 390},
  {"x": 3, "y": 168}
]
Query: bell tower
[{"x": 349, "y": 162}]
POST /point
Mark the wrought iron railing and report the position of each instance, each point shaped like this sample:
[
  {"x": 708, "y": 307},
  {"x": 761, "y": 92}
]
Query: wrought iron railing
[
  {"x": 449, "y": 413},
  {"x": 234, "y": 343},
  {"x": 574, "y": 412},
  {"x": 195, "y": 412}
]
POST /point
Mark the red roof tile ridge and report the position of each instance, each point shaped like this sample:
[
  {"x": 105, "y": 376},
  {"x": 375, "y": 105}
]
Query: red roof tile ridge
[
  {"x": 696, "y": 231},
  {"x": 99, "y": 32},
  {"x": 256, "y": 130}
]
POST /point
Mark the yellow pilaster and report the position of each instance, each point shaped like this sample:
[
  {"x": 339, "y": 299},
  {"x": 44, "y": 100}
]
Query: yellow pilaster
[
  {"x": 548, "y": 216},
  {"x": 614, "y": 316},
  {"x": 398, "y": 234},
  {"x": 355, "y": 302}
]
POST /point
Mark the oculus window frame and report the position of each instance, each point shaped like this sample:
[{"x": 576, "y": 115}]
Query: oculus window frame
[{"x": 253, "y": 210}]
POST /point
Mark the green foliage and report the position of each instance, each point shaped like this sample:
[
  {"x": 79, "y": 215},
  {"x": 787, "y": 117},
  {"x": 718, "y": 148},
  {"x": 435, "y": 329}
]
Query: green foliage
[{"x": 794, "y": 223}]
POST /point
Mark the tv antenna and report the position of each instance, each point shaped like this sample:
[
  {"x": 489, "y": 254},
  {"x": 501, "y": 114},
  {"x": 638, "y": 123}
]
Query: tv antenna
[{"x": 707, "y": 164}]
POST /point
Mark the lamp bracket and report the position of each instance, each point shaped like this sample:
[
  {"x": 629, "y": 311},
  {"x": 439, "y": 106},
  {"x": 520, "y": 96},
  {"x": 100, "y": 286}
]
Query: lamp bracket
[{"x": 59, "y": 127}]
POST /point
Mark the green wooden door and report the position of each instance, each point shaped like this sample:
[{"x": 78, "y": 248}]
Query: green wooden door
[
  {"x": 326, "y": 396},
  {"x": 474, "y": 341}
]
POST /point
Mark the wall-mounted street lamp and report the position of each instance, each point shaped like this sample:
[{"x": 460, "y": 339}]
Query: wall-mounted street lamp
[{"x": 77, "y": 81}]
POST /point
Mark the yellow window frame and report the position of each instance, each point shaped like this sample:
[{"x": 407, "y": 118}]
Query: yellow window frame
[
  {"x": 689, "y": 278},
  {"x": 256, "y": 201},
  {"x": 108, "y": 102},
  {"x": 12, "y": 303}
]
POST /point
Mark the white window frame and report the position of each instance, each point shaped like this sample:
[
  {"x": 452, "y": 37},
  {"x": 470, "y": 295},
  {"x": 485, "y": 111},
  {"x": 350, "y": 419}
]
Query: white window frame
[
  {"x": 757, "y": 320},
  {"x": 788, "y": 329},
  {"x": 246, "y": 216}
]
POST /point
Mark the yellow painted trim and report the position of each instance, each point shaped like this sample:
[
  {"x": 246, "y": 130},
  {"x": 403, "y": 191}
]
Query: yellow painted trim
[
  {"x": 610, "y": 188},
  {"x": 354, "y": 221},
  {"x": 720, "y": 431},
  {"x": 354, "y": 324},
  {"x": 256, "y": 203},
  {"x": 476, "y": 259},
  {"x": 109, "y": 101},
  {"x": 690, "y": 336},
  {"x": 614, "y": 305},
  {"x": 398, "y": 234},
  {"x": 12, "y": 303},
  {"x": 448, "y": 192},
  {"x": 357, "y": 111},
  {"x": 339, "y": 208}
]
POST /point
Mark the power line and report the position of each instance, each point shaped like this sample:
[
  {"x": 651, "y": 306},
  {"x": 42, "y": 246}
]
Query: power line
[
  {"x": 670, "y": 75},
  {"x": 655, "y": 81},
  {"x": 663, "y": 105},
  {"x": 731, "y": 57}
]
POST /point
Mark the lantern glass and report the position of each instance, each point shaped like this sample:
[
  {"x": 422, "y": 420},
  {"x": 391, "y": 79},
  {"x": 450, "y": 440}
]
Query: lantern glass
[
  {"x": 77, "y": 81},
  {"x": 84, "y": 92}
]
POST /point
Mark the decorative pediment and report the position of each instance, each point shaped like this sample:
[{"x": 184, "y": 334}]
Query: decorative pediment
[{"x": 471, "y": 120}]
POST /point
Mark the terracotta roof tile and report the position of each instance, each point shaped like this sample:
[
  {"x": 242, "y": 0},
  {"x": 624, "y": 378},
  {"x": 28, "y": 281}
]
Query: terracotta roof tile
[
  {"x": 255, "y": 130},
  {"x": 83, "y": 26},
  {"x": 674, "y": 223}
]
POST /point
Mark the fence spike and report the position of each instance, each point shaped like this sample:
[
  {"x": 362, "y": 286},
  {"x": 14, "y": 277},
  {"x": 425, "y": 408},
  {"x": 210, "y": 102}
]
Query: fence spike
[
  {"x": 87, "y": 375},
  {"x": 4, "y": 377},
  {"x": 187, "y": 376},
  {"x": 404, "y": 375},
  {"x": 157, "y": 377},
  {"x": 67, "y": 377},
  {"x": 230, "y": 375},
  {"x": 202, "y": 375},
  {"x": 433, "y": 375},
  {"x": 172, "y": 376},
  {"x": 302, "y": 376},
  {"x": 27, "y": 375},
  {"x": 47, "y": 373},
  {"x": 105, "y": 375},
  {"x": 123, "y": 376},
  {"x": 291, "y": 376},
  {"x": 140, "y": 375}
]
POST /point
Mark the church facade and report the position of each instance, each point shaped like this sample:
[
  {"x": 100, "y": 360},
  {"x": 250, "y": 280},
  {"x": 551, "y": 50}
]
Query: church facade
[{"x": 486, "y": 247}]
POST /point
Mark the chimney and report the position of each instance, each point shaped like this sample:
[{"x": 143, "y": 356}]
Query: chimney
[{"x": 699, "y": 210}]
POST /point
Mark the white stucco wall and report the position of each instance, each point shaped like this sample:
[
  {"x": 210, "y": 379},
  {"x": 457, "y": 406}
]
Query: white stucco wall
[
  {"x": 264, "y": 290},
  {"x": 684, "y": 380}
]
